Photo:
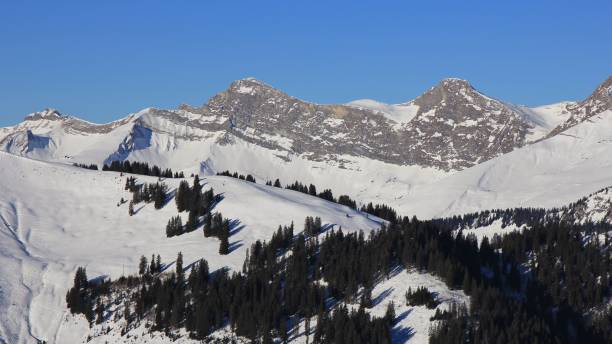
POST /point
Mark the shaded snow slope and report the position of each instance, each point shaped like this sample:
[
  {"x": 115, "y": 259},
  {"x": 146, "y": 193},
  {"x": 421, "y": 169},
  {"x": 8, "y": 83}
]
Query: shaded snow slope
[{"x": 56, "y": 217}]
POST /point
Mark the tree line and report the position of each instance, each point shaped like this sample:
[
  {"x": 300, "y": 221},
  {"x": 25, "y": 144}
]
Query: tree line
[
  {"x": 86, "y": 166},
  {"x": 143, "y": 168},
  {"x": 248, "y": 177}
]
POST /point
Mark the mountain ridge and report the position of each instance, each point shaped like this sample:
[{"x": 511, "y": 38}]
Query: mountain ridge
[{"x": 451, "y": 126}]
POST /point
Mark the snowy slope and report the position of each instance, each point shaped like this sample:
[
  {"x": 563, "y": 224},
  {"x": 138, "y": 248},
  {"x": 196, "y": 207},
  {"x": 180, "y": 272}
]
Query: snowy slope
[
  {"x": 549, "y": 173},
  {"x": 543, "y": 118},
  {"x": 55, "y": 218}
]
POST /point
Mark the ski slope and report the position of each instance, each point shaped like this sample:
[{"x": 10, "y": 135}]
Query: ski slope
[{"x": 57, "y": 217}]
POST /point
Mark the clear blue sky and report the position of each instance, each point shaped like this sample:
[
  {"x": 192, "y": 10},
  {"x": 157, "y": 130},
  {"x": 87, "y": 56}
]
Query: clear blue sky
[{"x": 103, "y": 59}]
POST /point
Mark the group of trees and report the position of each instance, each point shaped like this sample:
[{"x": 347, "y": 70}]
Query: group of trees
[
  {"x": 87, "y": 166},
  {"x": 199, "y": 204},
  {"x": 154, "y": 268},
  {"x": 141, "y": 168},
  {"x": 312, "y": 226},
  {"x": 344, "y": 327},
  {"x": 421, "y": 296},
  {"x": 174, "y": 226},
  {"x": 84, "y": 297},
  {"x": 248, "y": 178},
  {"x": 147, "y": 192},
  {"x": 215, "y": 225},
  {"x": 381, "y": 210},
  {"x": 196, "y": 202},
  {"x": 311, "y": 189}
]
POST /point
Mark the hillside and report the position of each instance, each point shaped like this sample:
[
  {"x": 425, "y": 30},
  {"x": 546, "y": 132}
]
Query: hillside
[{"x": 56, "y": 217}]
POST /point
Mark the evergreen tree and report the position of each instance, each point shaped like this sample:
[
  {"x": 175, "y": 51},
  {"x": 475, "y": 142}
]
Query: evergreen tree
[
  {"x": 179, "y": 265},
  {"x": 142, "y": 267},
  {"x": 224, "y": 245}
]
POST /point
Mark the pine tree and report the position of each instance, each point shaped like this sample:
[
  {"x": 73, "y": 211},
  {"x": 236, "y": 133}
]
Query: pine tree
[
  {"x": 179, "y": 265},
  {"x": 224, "y": 237},
  {"x": 390, "y": 313},
  {"x": 152, "y": 267},
  {"x": 312, "y": 190},
  {"x": 207, "y": 225},
  {"x": 142, "y": 267}
]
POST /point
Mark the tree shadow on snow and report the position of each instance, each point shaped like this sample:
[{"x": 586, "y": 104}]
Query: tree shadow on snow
[
  {"x": 235, "y": 226},
  {"x": 169, "y": 196},
  {"x": 165, "y": 266},
  {"x": 235, "y": 245},
  {"x": 400, "y": 334},
  {"x": 326, "y": 227},
  {"x": 136, "y": 211},
  {"x": 402, "y": 315},
  {"x": 383, "y": 295}
]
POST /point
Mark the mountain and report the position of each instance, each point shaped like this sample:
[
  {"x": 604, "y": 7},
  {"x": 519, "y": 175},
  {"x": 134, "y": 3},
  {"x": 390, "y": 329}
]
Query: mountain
[
  {"x": 451, "y": 135},
  {"x": 450, "y": 151},
  {"x": 450, "y": 127}
]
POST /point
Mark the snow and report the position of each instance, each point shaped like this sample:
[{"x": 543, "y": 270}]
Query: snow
[
  {"x": 543, "y": 118},
  {"x": 489, "y": 231},
  {"x": 400, "y": 113},
  {"x": 245, "y": 90}
]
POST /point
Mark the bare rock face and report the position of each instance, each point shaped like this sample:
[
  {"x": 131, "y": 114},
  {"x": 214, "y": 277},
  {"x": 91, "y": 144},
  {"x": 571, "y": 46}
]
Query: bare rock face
[{"x": 455, "y": 126}]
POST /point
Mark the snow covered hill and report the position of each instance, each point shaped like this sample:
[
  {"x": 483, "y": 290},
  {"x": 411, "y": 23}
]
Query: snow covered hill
[{"x": 55, "y": 217}]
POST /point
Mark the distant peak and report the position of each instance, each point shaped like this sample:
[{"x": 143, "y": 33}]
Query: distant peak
[
  {"x": 250, "y": 80},
  {"x": 249, "y": 85},
  {"x": 49, "y": 114},
  {"x": 450, "y": 82}
]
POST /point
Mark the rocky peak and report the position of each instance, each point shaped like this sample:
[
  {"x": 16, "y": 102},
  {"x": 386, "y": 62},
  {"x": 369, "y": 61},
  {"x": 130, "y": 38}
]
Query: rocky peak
[
  {"x": 598, "y": 102},
  {"x": 449, "y": 91},
  {"x": 46, "y": 114}
]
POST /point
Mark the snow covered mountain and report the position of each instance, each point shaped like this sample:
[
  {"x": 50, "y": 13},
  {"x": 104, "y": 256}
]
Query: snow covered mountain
[
  {"x": 450, "y": 127},
  {"x": 450, "y": 151},
  {"x": 451, "y": 135}
]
